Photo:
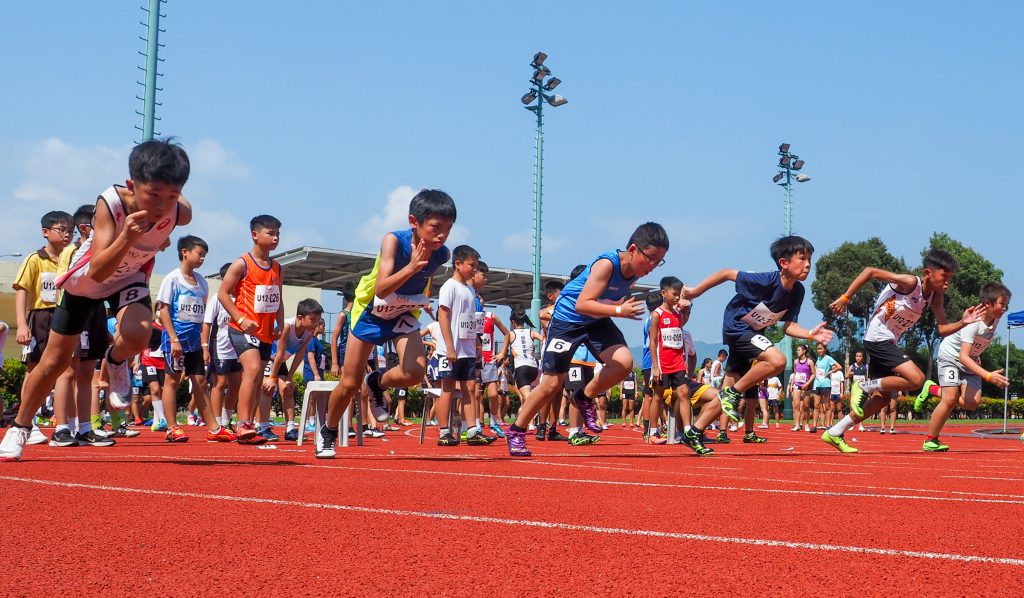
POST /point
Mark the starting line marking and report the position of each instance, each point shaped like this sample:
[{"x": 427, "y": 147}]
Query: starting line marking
[{"x": 965, "y": 558}]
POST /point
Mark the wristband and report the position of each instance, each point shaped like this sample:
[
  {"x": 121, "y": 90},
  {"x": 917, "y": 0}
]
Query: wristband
[
  {"x": 206, "y": 344},
  {"x": 988, "y": 377},
  {"x": 844, "y": 298},
  {"x": 618, "y": 309},
  {"x": 175, "y": 341},
  {"x": 240, "y": 320}
]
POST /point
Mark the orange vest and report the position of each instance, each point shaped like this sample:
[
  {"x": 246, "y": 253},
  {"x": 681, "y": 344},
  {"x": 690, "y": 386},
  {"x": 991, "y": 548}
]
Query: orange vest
[{"x": 258, "y": 297}]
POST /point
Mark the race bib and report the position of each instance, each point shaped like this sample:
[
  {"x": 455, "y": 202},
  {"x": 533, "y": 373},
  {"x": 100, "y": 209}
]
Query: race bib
[
  {"x": 323, "y": 362},
  {"x": 151, "y": 370},
  {"x": 486, "y": 342},
  {"x": 266, "y": 370},
  {"x": 443, "y": 366},
  {"x": 191, "y": 309},
  {"x": 628, "y": 385},
  {"x": 761, "y": 342},
  {"x": 394, "y": 305},
  {"x": 558, "y": 345},
  {"x": 48, "y": 287},
  {"x": 575, "y": 374},
  {"x": 672, "y": 338},
  {"x": 83, "y": 340},
  {"x": 761, "y": 317},
  {"x": 267, "y": 299},
  {"x": 467, "y": 326},
  {"x": 479, "y": 319},
  {"x": 178, "y": 364}
]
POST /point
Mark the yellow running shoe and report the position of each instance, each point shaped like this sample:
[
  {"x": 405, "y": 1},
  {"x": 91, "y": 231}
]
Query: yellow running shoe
[{"x": 839, "y": 442}]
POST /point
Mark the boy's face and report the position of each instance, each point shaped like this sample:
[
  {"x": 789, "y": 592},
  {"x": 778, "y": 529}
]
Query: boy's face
[
  {"x": 58, "y": 235},
  {"x": 157, "y": 198},
  {"x": 479, "y": 279},
  {"x": 938, "y": 279},
  {"x": 310, "y": 321},
  {"x": 553, "y": 296},
  {"x": 644, "y": 261},
  {"x": 466, "y": 268},
  {"x": 671, "y": 297},
  {"x": 798, "y": 266},
  {"x": 194, "y": 257},
  {"x": 433, "y": 230},
  {"x": 997, "y": 308},
  {"x": 266, "y": 238},
  {"x": 821, "y": 350}
]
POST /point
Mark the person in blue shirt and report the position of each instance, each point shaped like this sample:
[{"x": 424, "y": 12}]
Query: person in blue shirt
[
  {"x": 762, "y": 299},
  {"x": 315, "y": 364},
  {"x": 653, "y": 302},
  {"x": 583, "y": 314}
]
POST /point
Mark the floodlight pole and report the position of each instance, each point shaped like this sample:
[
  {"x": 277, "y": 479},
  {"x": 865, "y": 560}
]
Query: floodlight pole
[
  {"x": 538, "y": 186},
  {"x": 786, "y": 344}
]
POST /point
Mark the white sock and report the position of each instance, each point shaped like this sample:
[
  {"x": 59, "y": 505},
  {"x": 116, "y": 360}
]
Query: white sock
[
  {"x": 61, "y": 427},
  {"x": 871, "y": 385},
  {"x": 158, "y": 410},
  {"x": 573, "y": 432},
  {"x": 839, "y": 429},
  {"x": 72, "y": 423},
  {"x": 479, "y": 423},
  {"x": 226, "y": 414},
  {"x": 442, "y": 432},
  {"x": 220, "y": 421},
  {"x": 290, "y": 426},
  {"x": 463, "y": 427},
  {"x": 687, "y": 428}
]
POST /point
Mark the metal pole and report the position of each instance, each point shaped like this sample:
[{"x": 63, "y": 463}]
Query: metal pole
[
  {"x": 152, "y": 47},
  {"x": 538, "y": 194},
  {"x": 1006, "y": 372},
  {"x": 786, "y": 345}
]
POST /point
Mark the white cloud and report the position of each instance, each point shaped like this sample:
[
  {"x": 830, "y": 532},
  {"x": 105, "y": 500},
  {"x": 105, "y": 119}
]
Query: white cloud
[
  {"x": 395, "y": 216},
  {"x": 58, "y": 175},
  {"x": 522, "y": 244},
  {"x": 210, "y": 159}
]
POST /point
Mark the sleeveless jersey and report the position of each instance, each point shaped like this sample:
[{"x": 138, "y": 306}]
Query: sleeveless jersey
[
  {"x": 258, "y": 297},
  {"x": 293, "y": 342},
  {"x": 523, "y": 351},
  {"x": 487, "y": 338},
  {"x": 860, "y": 371},
  {"x": 670, "y": 345},
  {"x": 135, "y": 266},
  {"x": 801, "y": 372},
  {"x": 343, "y": 335},
  {"x": 895, "y": 313},
  {"x": 617, "y": 290}
]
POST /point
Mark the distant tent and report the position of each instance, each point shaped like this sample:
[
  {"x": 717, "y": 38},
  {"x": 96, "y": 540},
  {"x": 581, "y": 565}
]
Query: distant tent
[{"x": 1014, "y": 320}]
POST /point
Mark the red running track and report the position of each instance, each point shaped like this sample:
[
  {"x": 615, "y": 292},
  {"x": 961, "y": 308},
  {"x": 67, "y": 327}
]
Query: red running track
[{"x": 787, "y": 517}]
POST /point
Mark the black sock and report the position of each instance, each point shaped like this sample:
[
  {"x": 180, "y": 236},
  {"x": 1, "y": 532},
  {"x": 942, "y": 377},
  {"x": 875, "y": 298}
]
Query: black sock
[
  {"x": 516, "y": 428},
  {"x": 697, "y": 431},
  {"x": 17, "y": 425}
]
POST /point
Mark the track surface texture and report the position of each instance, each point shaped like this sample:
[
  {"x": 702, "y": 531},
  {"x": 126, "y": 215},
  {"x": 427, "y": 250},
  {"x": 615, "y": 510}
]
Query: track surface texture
[{"x": 785, "y": 518}]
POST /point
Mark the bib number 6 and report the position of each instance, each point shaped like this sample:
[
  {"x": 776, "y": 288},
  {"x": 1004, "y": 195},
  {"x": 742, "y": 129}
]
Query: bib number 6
[{"x": 558, "y": 345}]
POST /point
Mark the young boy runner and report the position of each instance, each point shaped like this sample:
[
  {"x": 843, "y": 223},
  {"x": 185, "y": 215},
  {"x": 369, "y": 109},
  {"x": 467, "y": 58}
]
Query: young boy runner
[
  {"x": 898, "y": 307},
  {"x": 315, "y": 364},
  {"x": 131, "y": 224},
  {"x": 583, "y": 314},
  {"x": 761, "y": 300},
  {"x": 339, "y": 337},
  {"x": 387, "y": 304},
  {"x": 251, "y": 294},
  {"x": 224, "y": 394},
  {"x": 492, "y": 361},
  {"x": 182, "y": 305},
  {"x": 960, "y": 371},
  {"x": 292, "y": 344},
  {"x": 669, "y": 353}
]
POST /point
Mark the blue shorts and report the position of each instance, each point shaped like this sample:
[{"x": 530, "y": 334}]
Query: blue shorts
[
  {"x": 564, "y": 338},
  {"x": 371, "y": 329},
  {"x": 462, "y": 369},
  {"x": 227, "y": 366}
]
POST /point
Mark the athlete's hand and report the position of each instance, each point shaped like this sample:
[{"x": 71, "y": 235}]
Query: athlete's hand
[
  {"x": 839, "y": 305},
  {"x": 631, "y": 308},
  {"x": 176, "y": 352},
  {"x": 206, "y": 356},
  {"x": 24, "y": 337},
  {"x": 690, "y": 293},
  {"x": 248, "y": 326},
  {"x": 269, "y": 384},
  {"x": 136, "y": 224},
  {"x": 821, "y": 334},
  {"x": 655, "y": 375},
  {"x": 335, "y": 370},
  {"x": 974, "y": 314},
  {"x": 420, "y": 256},
  {"x": 998, "y": 379}
]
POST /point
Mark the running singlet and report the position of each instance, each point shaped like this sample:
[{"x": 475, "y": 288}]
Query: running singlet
[
  {"x": 258, "y": 297},
  {"x": 293, "y": 343},
  {"x": 801, "y": 372},
  {"x": 860, "y": 371},
  {"x": 487, "y": 338},
  {"x": 135, "y": 266},
  {"x": 343, "y": 335},
  {"x": 617, "y": 290},
  {"x": 523, "y": 351},
  {"x": 895, "y": 313},
  {"x": 761, "y": 301},
  {"x": 671, "y": 344},
  {"x": 645, "y": 364}
]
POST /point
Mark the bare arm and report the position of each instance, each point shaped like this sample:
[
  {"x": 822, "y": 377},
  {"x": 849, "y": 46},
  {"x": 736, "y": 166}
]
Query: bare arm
[
  {"x": 995, "y": 377},
  {"x": 506, "y": 342},
  {"x": 971, "y": 315},
  {"x": 709, "y": 283},
  {"x": 231, "y": 278},
  {"x": 904, "y": 284},
  {"x": 21, "y": 311},
  {"x": 204, "y": 338},
  {"x": 444, "y": 318},
  {"x": 335, "y": 335},
  {"x": 108, "y": 248},
  {"x": 819, "y": 333},
  {"x": 652, "y": 342},
  {"x": 311, "y": 358},
  {"x": 588, "y": 304},
  {"x": 388, "y": 280}
]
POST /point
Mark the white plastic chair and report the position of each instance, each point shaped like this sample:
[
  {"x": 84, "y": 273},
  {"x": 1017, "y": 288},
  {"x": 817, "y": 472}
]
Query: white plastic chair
[{"x": 320, "y": 389}]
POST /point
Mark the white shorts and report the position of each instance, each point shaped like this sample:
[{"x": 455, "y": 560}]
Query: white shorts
[
  {"x": 953, "y": 374},
  {"x": 489, "y": 373}
]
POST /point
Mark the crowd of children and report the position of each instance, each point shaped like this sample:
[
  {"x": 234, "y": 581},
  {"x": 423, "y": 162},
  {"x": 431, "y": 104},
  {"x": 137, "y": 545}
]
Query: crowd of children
[{"x": 95, "y": 340}]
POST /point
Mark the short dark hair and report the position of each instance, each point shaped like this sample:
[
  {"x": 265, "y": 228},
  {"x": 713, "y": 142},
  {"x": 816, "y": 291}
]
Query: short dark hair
[
  {"x": 577, "y": 271},
  {"x": 463, "y": 253},
  {"x": 990, "y": 291},
  {"x": 787, "y": 247},
  {"x": 309, "y": 307},
  {"x": 263, "y": 222},
  {"x": 159, "y": 160},
  {"x": 224, "y": 270},
  {"x": 84, "y": 214},
  {"x": 723, "y": 353},
  {"x": 190, "y": 242},
  {"x": 481, "y": 266},
  {"x": 649, "y": 234},
  {"x": 937, "y": 259},
  {"x": 671, "y": 282},
  {"x": 432, "y": 203},
  {"x": 51, "y": 219},
  {"x": 553, "y": 286},
  {"x": 653, "y": 300}
]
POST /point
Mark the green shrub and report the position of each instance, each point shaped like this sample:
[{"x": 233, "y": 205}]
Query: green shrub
[{"x": 11, "y": 378}]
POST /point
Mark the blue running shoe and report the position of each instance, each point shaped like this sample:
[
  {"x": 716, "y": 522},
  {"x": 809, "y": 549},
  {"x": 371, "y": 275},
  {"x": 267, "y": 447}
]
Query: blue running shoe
[{"x": 268, "y": 433}]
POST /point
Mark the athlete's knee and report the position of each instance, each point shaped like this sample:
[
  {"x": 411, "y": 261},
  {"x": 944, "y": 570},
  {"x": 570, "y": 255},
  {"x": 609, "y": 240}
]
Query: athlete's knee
[{"x": 915, "y": 378}]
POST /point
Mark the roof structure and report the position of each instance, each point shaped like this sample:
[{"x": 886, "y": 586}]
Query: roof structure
[{"x": 340, "y": 270}]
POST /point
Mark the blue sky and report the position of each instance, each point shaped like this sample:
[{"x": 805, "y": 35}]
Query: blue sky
[{"x": 329, "y": 114}]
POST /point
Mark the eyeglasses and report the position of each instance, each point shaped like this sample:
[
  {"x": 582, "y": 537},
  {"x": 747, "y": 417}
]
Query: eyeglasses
[
  {"x": 657, "y": 264},
  {"x": 61, "y": 230}
]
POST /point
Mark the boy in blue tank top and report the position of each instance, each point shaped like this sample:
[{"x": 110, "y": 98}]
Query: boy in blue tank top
[
  {"x": 387, "y": 305},
  {"x": 583, "y": 314}
]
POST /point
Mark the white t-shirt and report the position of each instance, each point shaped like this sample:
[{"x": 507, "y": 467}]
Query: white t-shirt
[
  {"x": 836, "y": 378},
  {"x": 217, "y": 316},
  {"x": 460, "y": 299},
  {"x": 977, "y": 335},
  {"x": 774, "y": 387}
]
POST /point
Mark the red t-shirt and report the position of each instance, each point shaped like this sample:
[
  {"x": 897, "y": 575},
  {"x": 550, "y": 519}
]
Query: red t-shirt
[{"x": 670, "y": 349}]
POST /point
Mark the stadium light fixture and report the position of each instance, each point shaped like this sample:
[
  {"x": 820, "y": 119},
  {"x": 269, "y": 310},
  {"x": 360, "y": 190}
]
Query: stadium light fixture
[
  {"x": 802, "y": 178},
  {"x": 540, "y": 73},
  {"x": 552, "y": 84},
  {"x": 783, "y": 148},
  {"x": 529, "y": 97},
  {"x": 555, "y": 100},
  {"x": 778, "y": 177},
  {"x": 538, "y": 59},
  {"x": 798, "y": 164}
]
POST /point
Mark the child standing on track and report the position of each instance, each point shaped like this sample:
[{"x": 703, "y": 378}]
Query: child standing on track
[
  {"x": 824, "y": 367},
  {"x": 774, "y": 394},
  {"x": 627, "y": 392},
  {"x": 898, "y": 307},
  {"x": 224, "y": 395},
  {"x": 761, "y": 300},
  {"x": 131, "y": 224},
  {"x": 960, "y": 371},
  {"x": 251, "y": 294},
  {"x": 669, "y": 353},
  {"x": 800, "y": 382},
  {"x": 387, "y": 304},
  {"x": 583, "y": 314}
]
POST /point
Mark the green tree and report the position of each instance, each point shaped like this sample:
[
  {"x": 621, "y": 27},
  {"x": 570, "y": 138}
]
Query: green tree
[{"x": 994, "y": 358}]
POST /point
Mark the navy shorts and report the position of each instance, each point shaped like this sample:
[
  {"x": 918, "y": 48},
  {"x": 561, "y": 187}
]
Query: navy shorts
[
  {"x": 564, "y": 338},
  {"x": 885, "y": 358},
  {"x": 744, "y": 350},
  {"x": 462, "y": 369},
  {"x": 227, "y": 366},
  {"x": 243, "y": 342},
  {"x": 190, "y": 361}
]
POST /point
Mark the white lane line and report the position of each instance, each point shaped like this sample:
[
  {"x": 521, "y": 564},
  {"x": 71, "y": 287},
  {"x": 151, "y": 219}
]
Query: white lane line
[
  {"x": 974, "y": 477},
  {"x": 966, "y": 558},
  {"x": 838, "y": 472}
]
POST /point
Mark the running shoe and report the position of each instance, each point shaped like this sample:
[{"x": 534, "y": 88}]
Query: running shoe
[
  {"x": 934, "y": 445},
  {"x": 696, "y": 442},
  {"x": 36, "y": 436},
  {"x": 13, "y": 443},
  {"x": 762, "y": 426},
  {"x": 247, "y": 434},
  {"x": 807, "y": 428},
  {"x": 892, "y": 430},
  {"x": 432, "y": 423},
  {"x": 581, "y": 438},
  {"x": 861, "y": 428},
  {"x": 730, "y": 398},
  {"x": 176, "y": 434},
  {"x": 326, "y": 440},
  {"x": 837, "y": 441},
  {"x": 480, "y": 440},
  {"x": 795, "y": 428},
  {"x": 923, "y": 396},
  {"x": 882, "y": 430},
  {"x": 753, "y": 438},
  {"x": 310, "y": 426},
  {"x": 120, "y": 379},
  {"x": 856, "y": 397},
  {"x": 124, "y": 431},
  {"x": 722, "y": 438},
  {"x": 373, "y": 433},
  {"x": 92, "y": 439},
  {"x": 378, "y": 406},
  {"x": 448, "y": 440},
  {"x": 221, "y": 434},
  {"x": 555, "y": 436},
  {"x": 291, "y": 435},
  {"x": 732, "y": 427},
  {"x": 190, "y": 420},
  {"x": 63, "y": 437},
  {"x": 542, "y": 432},
  {"x": 269, "y": 434},
  {"x": 497, "y": 429},
  {"x": 588, "y": 408},
  {"x": 516, "y": 444},
  {"x": 158, "y": 426},
  {"x": 656, "y": 439}
]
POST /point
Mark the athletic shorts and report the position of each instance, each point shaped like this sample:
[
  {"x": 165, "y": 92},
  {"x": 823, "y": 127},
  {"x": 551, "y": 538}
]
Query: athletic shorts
[
  {"x": 885, "y": 357},
  {"x": 462, "y": 369},
  {"x": 150, "y": 374},
  {"x": 191, "y": 362},
  {"x": 564, "y": 338},
  {"x": 246, "y": 342},
  {"x": 823, "y": 391},
  {"x": 674, "y": 380},
  {"x": 578, "y": 376},
  {"x": 95, "y": 339},
  {"x": 744, "y": 350},
  {"x": 39, "y": 327},
  {"x": 489, "y": 373},
  {"x": 524, "y": 375},
  {"x": 646, "y": 375},
  {"x": 628, "y": 396},
  {"x": 695, "y": 389},
  {"x": 371, "y": 329},
  {"x": 227, "y": 366},
  {"x": 773, "y": 403},
  {"x": 952, "y": 374},
  {"x": 73, "y": 312},
  {"x": 282, "y": 370},
  {"x": 835, "y": 398}
]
